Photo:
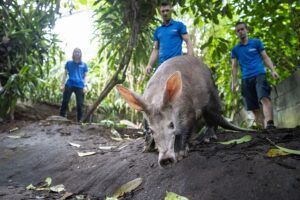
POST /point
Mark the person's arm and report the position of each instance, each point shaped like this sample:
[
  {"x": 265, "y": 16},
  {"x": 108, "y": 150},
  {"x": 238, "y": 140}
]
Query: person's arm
[
  {"x": 86, "y": 87},
  {"x": 269, "y": 63},
  {"x": 85, "y": 80},
  {"x": 153, "y": 58},
  {"x": 234, "y": 71},
  {"x": 189, "y": 44},
  {"x": 64, "y": 80}
]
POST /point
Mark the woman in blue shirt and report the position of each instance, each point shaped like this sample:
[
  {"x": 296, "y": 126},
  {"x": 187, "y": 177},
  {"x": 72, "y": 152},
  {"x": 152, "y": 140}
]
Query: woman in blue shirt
[{"x": 76, "y": 71}]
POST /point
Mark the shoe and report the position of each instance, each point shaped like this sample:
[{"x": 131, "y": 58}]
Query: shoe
[{"x": 270, "y": 125}]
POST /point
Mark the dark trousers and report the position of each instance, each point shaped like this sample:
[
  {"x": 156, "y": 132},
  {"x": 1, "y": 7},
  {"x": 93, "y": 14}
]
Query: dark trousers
[{"x": 66, "y": 98}]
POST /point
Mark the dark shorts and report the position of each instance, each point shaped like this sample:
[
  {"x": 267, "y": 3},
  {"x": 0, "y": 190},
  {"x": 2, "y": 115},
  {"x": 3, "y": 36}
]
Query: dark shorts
[{"x": 254, "y": 89}]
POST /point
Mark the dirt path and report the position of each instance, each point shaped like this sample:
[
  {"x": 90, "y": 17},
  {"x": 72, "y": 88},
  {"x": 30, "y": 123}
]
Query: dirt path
[{"x": 210, "y": 172}]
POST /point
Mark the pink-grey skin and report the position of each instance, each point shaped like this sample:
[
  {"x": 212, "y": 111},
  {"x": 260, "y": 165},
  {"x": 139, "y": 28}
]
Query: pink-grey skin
[{"x": 179, "y": 97}]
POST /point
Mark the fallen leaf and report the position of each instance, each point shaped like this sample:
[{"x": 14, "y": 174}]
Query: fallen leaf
[
  {"x": 74, "y": 144},
  {"x": 127, "y": 187},
  {"x": 116, "y": 139},
  {"x": 81, "y": 154},
  {"x": 58, "y": 188},
  {"x": 80, "y": 197},
  {"x": 129, "y": 123},
  {"x": 30, "y": 187},
  {"x": 174, "y": 196},
  {"x": 107, "y": 147},
  {"x": 111, "y": 198},
  {"x": 66, "y": 195},
  {"x": 290, "y": 151},
  {"x": 14, "y": 129},
  {"x": 276, "y": 152},
  {"x": 244, "y": 139},
  {"x": 41, "y": 186},
  {"x": 14, "y": 136},
  {"x": 122, "y": 147},
  {"x": 48, "y": 181},
  {"x": 115, "y": 133}
]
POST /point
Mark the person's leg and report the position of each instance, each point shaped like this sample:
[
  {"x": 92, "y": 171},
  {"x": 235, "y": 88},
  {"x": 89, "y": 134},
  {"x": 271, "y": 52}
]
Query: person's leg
[
  {"x": 79, "y": 102},
  {"x": 258, "y": 117},
  {"x": 267, "y": 109},
  {"x": 250, "y": 99},
  {"x": 263, "y": 93},
  {"x": 66, "y": 98}
]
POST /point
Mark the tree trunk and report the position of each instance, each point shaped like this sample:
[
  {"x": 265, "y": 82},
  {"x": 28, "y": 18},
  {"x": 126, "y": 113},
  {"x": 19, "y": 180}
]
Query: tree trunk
[{"x": 131, "y": 44}]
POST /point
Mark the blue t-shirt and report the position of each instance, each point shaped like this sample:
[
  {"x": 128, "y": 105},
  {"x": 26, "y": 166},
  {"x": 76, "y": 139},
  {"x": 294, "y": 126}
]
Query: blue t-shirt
[
  {"x": 169, "y": 39},
  {"x": 249, "y": 58},
  {"x": 76, "y": 72}
]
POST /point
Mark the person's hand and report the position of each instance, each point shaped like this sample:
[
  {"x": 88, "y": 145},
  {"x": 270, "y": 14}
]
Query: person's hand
[
  {"x": 148, "y": 69},
  {"x": 274, "y": 74},
  {"x": 85, "y": 89},
  {"x": 62, "y": 87},
  {"x": 233, "y": 86}
]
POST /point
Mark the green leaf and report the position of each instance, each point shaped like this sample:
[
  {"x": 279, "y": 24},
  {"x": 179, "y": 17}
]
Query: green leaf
[
  {"x": 30, "y": 187},
  {"x": 174, "y": 196},
  {"x": 244, "y": 139},
  {"x": 290, "y": 151},
  {"x": 207, "y": 43},
  {"x": 83, "y": 2}
]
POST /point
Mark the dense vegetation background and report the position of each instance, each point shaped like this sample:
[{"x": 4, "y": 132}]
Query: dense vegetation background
[{"x": 30, "y": 59}]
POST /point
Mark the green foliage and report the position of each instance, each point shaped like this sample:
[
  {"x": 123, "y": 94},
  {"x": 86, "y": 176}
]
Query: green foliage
[
  {"x": 212, "y": 32},
  {"x": 29, "y": 53},
  {"x": 116, "y": 21},
  {"x": 25, "y": 48},
  {"x": 276, "y": 23}
]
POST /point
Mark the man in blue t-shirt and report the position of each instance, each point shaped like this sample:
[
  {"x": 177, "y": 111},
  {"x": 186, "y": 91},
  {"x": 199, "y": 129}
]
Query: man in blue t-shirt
[
  {"x": 251, "y": 54},
  {"x": 167, "y": 44},
  {"x": 76, "y": 71},
  {"x": 168, "y": 38}
]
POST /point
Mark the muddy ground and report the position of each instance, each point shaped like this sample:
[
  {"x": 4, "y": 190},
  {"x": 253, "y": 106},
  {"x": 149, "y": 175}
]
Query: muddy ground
[{"x": 210, "y": 172}]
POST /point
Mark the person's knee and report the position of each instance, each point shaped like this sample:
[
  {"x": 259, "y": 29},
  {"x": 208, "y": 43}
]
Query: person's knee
[{"x": 265, "y": 101}]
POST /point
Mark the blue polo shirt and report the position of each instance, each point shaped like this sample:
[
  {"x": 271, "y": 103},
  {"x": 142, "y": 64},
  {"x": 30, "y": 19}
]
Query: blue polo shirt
[
  {"x": 249, "y": 58},
  {"x": 76, "y": 72},
  {"x": 169, "y": 39}
]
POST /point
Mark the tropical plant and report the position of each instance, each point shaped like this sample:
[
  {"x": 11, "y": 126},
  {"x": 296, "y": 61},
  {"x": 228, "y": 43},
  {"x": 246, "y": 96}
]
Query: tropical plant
[{"x": 26, "y": 43}]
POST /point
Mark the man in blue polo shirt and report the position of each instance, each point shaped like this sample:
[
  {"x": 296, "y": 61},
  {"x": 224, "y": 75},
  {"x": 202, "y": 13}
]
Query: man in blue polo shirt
[
  {"x": 168, "y": 38},
  {"x": 167, "y": 44},
  {"x": 251, "y": 54},
  {"x": 76, "y": 70}
]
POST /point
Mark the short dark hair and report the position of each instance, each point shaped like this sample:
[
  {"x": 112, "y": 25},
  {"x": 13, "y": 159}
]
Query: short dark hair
[
  {"x": 238, "y": 23},
  {"x": 165, "y": 3}
]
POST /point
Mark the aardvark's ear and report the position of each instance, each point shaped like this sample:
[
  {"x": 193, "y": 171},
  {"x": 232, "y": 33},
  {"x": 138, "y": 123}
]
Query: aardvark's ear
[
  {"x": 134, "y": 100},
  {"x": 173, "y": 88}
]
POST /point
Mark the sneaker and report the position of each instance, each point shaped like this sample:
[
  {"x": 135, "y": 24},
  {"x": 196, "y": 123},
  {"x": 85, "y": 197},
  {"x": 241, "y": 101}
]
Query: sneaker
[{"x": 270, "y": 125}]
